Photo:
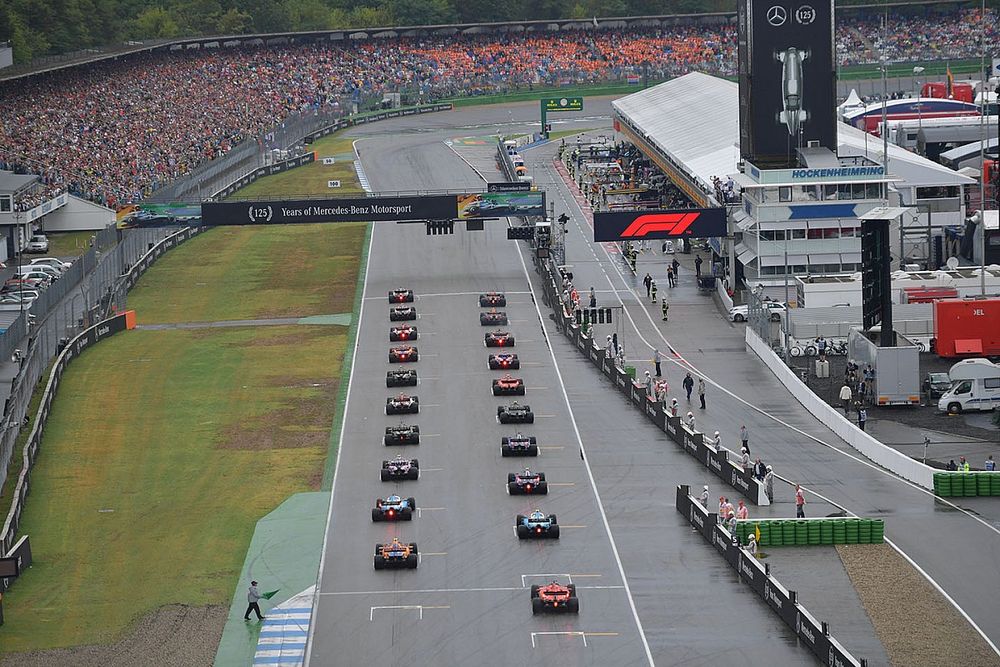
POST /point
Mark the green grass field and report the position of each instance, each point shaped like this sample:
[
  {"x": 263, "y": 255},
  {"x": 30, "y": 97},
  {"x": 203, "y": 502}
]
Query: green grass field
[
  {"x": 165, "y": 447},
  {"x": 234, "y": 273},
  {"x": 68, "y": 244},
  {"x": 311, "y": 179},
  {"x": 149, "y": 495}
]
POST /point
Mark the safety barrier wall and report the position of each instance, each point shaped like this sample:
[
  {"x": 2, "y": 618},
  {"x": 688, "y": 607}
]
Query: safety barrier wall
[
  {"x": 506, "y": 164},
  {"x": 885, "y": 456},
  {"x": 966, "y": 484},
  {"x": 261, "y": 172},
  {"x": 85, "y": 339},
  {"x": 716, "y": 460},
  {"x": 812, "y": 634}
]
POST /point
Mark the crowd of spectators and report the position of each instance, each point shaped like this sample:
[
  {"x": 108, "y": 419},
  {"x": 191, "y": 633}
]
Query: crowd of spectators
[{"x": 116, "y": 131}]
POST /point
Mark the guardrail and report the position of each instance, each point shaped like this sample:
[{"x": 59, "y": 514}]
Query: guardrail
[
  {"x": 814, "y": 635},
  {"x": 85, "y": 339},
  {"x": 716, "y": 459},
  {"x": 883, "y": 455}
]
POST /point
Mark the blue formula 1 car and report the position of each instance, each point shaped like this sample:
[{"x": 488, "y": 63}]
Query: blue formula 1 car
[
  {"x": 537, "y": 525},
  {"x": 394, "y": 508}
]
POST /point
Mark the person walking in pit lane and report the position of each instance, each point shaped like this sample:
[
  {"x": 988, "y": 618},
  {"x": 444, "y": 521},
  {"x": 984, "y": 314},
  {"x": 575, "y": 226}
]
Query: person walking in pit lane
[
  {"x": 671, "y": 278},
  {"x": 653, "y": 289},
  {"x": 674, "y": 407},
  {"x": 722, "y": 509},
  {"x": 745, "y": 460},
  {"x": 745, "y": 437},
  {"x": 862, "y": 417},
  {"x": 664, "y": 308},
  {"x": 253, "y": 598},
  {"x": 688, "y": 384},
  {"x": 845, "y": 398},
  {"x": 769, "y": 484},
  {"x": 648, "y": 283},
  {"x": 759, "y": 469},
  {"x": 800, "y": 503},
  {"x": 690, "y": 421},
  {"x": 704, "y": 497},
  {"x": 742, "y": 512},
  {"x": 649, "y": 384},
  {"x": 675, "y": 265},
  {"x": 697, "y": 266},
  {"x": 656, "y": 362},
  {"x": 701, "y": 392},
  {"x": 593, "y": 298}
]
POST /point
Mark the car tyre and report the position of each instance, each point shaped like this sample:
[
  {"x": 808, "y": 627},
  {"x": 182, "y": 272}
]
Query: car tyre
[
  {"x": 739, "y": 318},
  {"x": 537, "y": 606},
  {"x": 542, "y": 488},
  {"x": 554, "y": 532},
  {"x": 385, "y": 475},
  {"x": 573, "y": 606},
  {"x": 522, "y": 532},
  {"x": 376, "y": 515},
  {"x": 532, "y": 450},
  {"x": 954, "y": 408}
]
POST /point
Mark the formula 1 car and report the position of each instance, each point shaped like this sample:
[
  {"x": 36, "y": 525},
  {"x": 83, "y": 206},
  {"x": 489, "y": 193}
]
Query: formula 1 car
[
  {"x": 394, "y": 508},
  {"x": 527, "y": 483},
  {"x": 404, "y": 434},
  {"x": 396, "y": 554},
  {"x": 503, "y": 361},
  {"x": 515, "y": 413},
  {"x": 499, "y": 338},
  {"x": 508, "y": 385},
  {"x": 537, "y": 525},
  {"x": 555, "y": 598},
  {"x": 405, "y": 332},
  {"x": 492, "y": 300},
  {"x": 402, "y": 405},
  {"x": 402, "y": 314},
  {"x": 407, "y": 378},
  {"x": 399, "y": 469},
  {"x": 402, "y": 354},
  {"x": 518, "y": 445},
  {"x": 401, "y": 296},
  {"x": 493, "y": 318}
]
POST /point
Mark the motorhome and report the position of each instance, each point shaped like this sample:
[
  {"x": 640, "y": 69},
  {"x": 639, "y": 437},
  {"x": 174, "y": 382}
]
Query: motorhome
[{"x": 975, "y": 385}]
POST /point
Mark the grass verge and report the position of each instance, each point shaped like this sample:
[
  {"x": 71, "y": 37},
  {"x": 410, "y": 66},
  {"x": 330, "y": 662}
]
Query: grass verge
[
  {"x": 150, "y": 497},
  {"x": 233, "y": 273},
  {"x": 311, "y": 179},
  {"x": 68, "y": 244}
]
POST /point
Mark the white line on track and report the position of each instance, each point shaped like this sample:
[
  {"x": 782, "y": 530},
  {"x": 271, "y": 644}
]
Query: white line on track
[
  {"x": 434, "y": 591},
  {"x": 684, "y": 364},
  {"x": 436, "y": 294},
  {"x": 340, "y": 445},
  {"x": 586, "y": 463}
]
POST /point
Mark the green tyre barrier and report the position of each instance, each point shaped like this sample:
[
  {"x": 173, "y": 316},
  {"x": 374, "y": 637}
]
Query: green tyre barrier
[
  {"x": 801, "y": 533},
  {"x": 776, "y": 533},
  {"x": 851, "y": 531},
  {"x": 994, "y": 483},
  {"x": 865, "y": 531},
  {"x": 814, "y": 534},
  {"x": 942, "y": 484},
  {"x": 742, "y": 530},
  {"x": 983, "y": 484},
  {"x": 969, "y": 484},
  {"x": 788, "y": 533},
  {"x": 878, "y": 531},
  {"x": 826, "y": 532},
  {"x": 840, "y": 531}
]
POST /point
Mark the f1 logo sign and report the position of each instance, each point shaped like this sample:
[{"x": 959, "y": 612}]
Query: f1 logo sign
[
  {"x": 673, "y": 224},
  {"x": 697, "y": 223}
]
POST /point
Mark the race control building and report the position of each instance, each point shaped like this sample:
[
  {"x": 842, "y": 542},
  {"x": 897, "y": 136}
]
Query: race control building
[{"x": 806, "y": 217}]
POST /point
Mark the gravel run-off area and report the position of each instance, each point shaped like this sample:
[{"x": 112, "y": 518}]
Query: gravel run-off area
[
  {"x": 172, "y": 635},
  {"x": 915, "y": 623}
]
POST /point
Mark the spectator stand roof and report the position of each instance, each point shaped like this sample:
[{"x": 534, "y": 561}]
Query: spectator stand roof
[
  {"x": 11, "y": 183},
  {"x": 691, "y": 124}
]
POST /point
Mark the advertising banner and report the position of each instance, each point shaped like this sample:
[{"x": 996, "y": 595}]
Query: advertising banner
[
  {"x": 787, "y": 77},
  {"x": 752, "y": 572},
  {"x": 654, "y": 411},
  {"x": 810, "y": 631},
  {"x": 608, "y": 365},
  {"x": 716, "y": 461},
  {"x": 359, "y": 209},
  {"x": 672, "y": 427},
  {"x": 508, "y": 187},
  {"x": 776, "y": 596},
  {"x": 692, "y": 441},
  {"x": 660, "y": 224},
  {"x": 501, "y": 204},
  {"x": 638, "y": 394},
  {"x": 552, "y": 104}
]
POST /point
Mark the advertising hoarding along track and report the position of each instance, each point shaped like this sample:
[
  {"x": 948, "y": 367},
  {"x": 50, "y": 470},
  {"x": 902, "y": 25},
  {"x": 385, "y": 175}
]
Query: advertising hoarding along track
[{"x": 661, "y": 224}]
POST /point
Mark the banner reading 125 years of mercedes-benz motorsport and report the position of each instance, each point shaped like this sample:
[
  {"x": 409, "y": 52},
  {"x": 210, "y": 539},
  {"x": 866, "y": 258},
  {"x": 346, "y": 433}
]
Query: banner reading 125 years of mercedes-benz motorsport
[
  {"x": 696, "y": 223},
  {"x": 375, "y": 209}
]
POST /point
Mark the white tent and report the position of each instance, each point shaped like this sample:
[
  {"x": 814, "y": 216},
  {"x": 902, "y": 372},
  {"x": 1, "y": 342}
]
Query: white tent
[{"x": 850, "y": 104}]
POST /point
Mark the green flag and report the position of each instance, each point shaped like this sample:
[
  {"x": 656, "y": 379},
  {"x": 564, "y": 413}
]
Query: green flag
[{"x": 268, "y": 596}]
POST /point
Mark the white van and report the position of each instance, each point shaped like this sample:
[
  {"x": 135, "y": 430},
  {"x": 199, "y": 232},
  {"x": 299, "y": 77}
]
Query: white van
[{"x": 975, "y": 385}]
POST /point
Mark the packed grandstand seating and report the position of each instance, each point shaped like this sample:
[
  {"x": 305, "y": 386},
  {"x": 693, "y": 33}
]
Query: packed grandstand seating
[{"x": 116, "y": 131}]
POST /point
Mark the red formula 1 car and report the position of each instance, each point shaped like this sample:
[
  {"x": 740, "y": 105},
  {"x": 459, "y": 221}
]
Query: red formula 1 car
[
  {"x": 499, "y": 338},
  {"x": 404, "y": 332},
  {"x": 508, "y": 385},
  {"x": 554, "y": 597},
  {"x": 504, "y": 361},
  {"x": 402, "y": 354},
  {"x": 527, "y": 483},
  {"x": 401, "y": 296},
  {"x": 492, "y": 300},
  {"x": 402, "y": 314},
  {"x": 493, "y": 318}
]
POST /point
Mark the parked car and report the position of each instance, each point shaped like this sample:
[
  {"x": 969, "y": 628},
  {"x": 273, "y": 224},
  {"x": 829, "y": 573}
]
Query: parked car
[
  {"x": 775, "y": 309},
  {"x": 42, "y": 277},
  {"x": 53, "y": 273},
  {"x": 37, "y": 243},
  {"x": 935, "y": 384},
  {"x": 54, "y": 262}
]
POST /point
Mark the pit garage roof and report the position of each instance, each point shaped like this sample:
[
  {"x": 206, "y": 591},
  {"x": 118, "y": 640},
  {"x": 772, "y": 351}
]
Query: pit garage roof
[{"x": 694, "y": 121}]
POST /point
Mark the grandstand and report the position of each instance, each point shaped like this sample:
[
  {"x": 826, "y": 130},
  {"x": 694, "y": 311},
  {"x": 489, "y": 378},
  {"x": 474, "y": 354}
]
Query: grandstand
[{"x": 115, "y": 131}]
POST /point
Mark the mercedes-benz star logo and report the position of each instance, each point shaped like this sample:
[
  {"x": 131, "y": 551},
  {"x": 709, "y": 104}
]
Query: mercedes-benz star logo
[{"x": 777, "y": 15}]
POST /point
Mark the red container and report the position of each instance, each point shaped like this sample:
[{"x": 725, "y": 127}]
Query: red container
[
  {"x": 967, "y": 327},
  {"x": 939, "y": 89},
  {"x": 928, "y": 294}
]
